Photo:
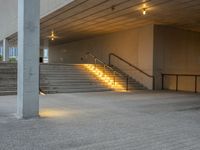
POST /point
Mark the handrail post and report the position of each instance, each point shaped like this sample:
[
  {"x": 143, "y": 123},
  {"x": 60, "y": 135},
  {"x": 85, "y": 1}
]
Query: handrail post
[
  {"x": 95, "y": 63},
  {"x": 109, "y": 60},
  {"x": 104, "y": 69},
  {"x": 127, "y": 78},
  {"x": 196, "y": 84},
  {"x": 163, "y": 81},
  {"x": 114, "y": 78},
  {"x": 177, "y": 82},
  {"x": 88, "y": 61}
]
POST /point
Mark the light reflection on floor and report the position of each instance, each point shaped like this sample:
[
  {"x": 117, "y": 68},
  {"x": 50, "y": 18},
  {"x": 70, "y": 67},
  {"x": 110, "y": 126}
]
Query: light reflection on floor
[{"x": 55, "y": 113}]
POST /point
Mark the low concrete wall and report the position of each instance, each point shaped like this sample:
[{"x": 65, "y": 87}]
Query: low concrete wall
[{"x": 154, "y": 49}]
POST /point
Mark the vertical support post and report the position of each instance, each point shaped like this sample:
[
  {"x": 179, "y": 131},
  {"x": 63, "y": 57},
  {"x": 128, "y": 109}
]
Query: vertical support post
[
  {"x": 195, "y": 84},
  {"x": 5, "y": 50},
  {"x": 114, "y": 77},
  {"x": 127, "y": 78},
  {"x": 109, "y": 60},
  {"x": 86, "y": 57},
  {"x": 153, "y": 83},
  {"x": 176, "y": 82},
  {"x": 162, "y": 81},
  {"x": 104, "y": 69},
  {"x": 95, "y": 63},
  {"x": 28, "y": 58}
]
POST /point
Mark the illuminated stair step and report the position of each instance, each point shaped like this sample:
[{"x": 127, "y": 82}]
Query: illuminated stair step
[{"x": 63, "y": 78}]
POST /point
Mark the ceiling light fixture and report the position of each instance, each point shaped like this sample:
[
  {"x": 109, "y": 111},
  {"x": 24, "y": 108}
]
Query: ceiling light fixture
[
  {"x": 144, "y": 11},
  {"x": 52, "y": 36}
]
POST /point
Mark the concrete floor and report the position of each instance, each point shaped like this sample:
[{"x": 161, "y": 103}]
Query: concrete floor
[{"x": 105, "y": 121}]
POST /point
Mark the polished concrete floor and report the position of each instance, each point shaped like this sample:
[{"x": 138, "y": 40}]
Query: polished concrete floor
[{"x": 105, "y": 121}]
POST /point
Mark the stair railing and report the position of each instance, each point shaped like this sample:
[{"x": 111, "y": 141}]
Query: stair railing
[
  {"x": 115, "y": 73},
  {"x": 177, "y": 76},
  {"x": 134, "y": 67}
]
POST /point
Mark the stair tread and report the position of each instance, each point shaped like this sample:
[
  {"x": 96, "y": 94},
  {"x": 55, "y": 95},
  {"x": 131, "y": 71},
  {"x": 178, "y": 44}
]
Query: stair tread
[{"x": 64, "y": 78}]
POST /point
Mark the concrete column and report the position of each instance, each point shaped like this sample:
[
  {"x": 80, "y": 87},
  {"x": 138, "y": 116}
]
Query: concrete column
[
  {"x": 5, "y": 50},
  {"x": 28, "y": 58}
]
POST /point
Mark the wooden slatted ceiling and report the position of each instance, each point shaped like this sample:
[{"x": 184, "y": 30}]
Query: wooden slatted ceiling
[{"x": 85, "y": 18}]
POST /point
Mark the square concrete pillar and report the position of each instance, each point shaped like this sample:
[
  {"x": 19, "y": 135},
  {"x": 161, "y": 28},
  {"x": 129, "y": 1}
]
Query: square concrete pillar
[
  {"x": 5, "y": 50},
  {"x": 28, "y": 58}
]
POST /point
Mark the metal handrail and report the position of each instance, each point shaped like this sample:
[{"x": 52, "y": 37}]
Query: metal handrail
[
  {"x": 109, "y": 67},
  {"x": 97, "y": 59},
  {"x": 131, "y": 65},
  {"x": 173, "y": 74},
  {"x": 177, "y": 79}
]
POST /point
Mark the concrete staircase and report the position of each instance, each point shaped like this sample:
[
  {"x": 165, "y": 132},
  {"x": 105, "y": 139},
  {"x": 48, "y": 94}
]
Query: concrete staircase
[
  {"x": 121, "y": 78},
  {"x": 132, "y": 83},
  {"x": 64, "y": 78},
  {"x": 8, "y": 78}
]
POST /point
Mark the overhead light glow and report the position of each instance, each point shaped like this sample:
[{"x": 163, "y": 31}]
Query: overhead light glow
[
  {"x": 52, "y": 36},
  {"x": 144, "y": 11}
]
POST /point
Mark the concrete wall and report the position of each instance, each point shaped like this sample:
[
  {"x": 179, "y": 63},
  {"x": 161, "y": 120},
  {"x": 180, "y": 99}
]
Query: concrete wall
[
  {"x": 154, "y": 49},
  {"x": 135, "y": 46},
  {"x": 176, "y": 51},
  {"x": 8, "y": 14}
]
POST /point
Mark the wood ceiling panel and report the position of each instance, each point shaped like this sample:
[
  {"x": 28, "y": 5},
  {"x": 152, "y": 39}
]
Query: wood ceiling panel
[
  {"x": 103, "y": 17},
  {"x": 129, "y": 12},
  {"x": 74, "y": 12},
  {"x": 122, "y": 25},
  {"x": 66, "y": 8},
  {"x": 87, "y": 18},
  {"x": 84, "y": 17}
]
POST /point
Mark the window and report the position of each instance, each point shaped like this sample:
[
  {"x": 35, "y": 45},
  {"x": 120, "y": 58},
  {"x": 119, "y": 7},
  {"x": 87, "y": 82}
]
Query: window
[
  {"x": 1, "y": 51},
  {"x": 46, "y": 56},
  {"x": 13, "y": 52}
]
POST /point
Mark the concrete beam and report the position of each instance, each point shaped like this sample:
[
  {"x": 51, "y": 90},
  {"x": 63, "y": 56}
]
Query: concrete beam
[{"x": 28, "y": 58}]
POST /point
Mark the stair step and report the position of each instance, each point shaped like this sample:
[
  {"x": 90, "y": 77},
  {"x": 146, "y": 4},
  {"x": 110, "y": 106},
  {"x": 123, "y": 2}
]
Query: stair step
[
  {"x": 76, "y": 90},
  {"x": 4, "y": 93},
  {"x": 64, "y": 78}
]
